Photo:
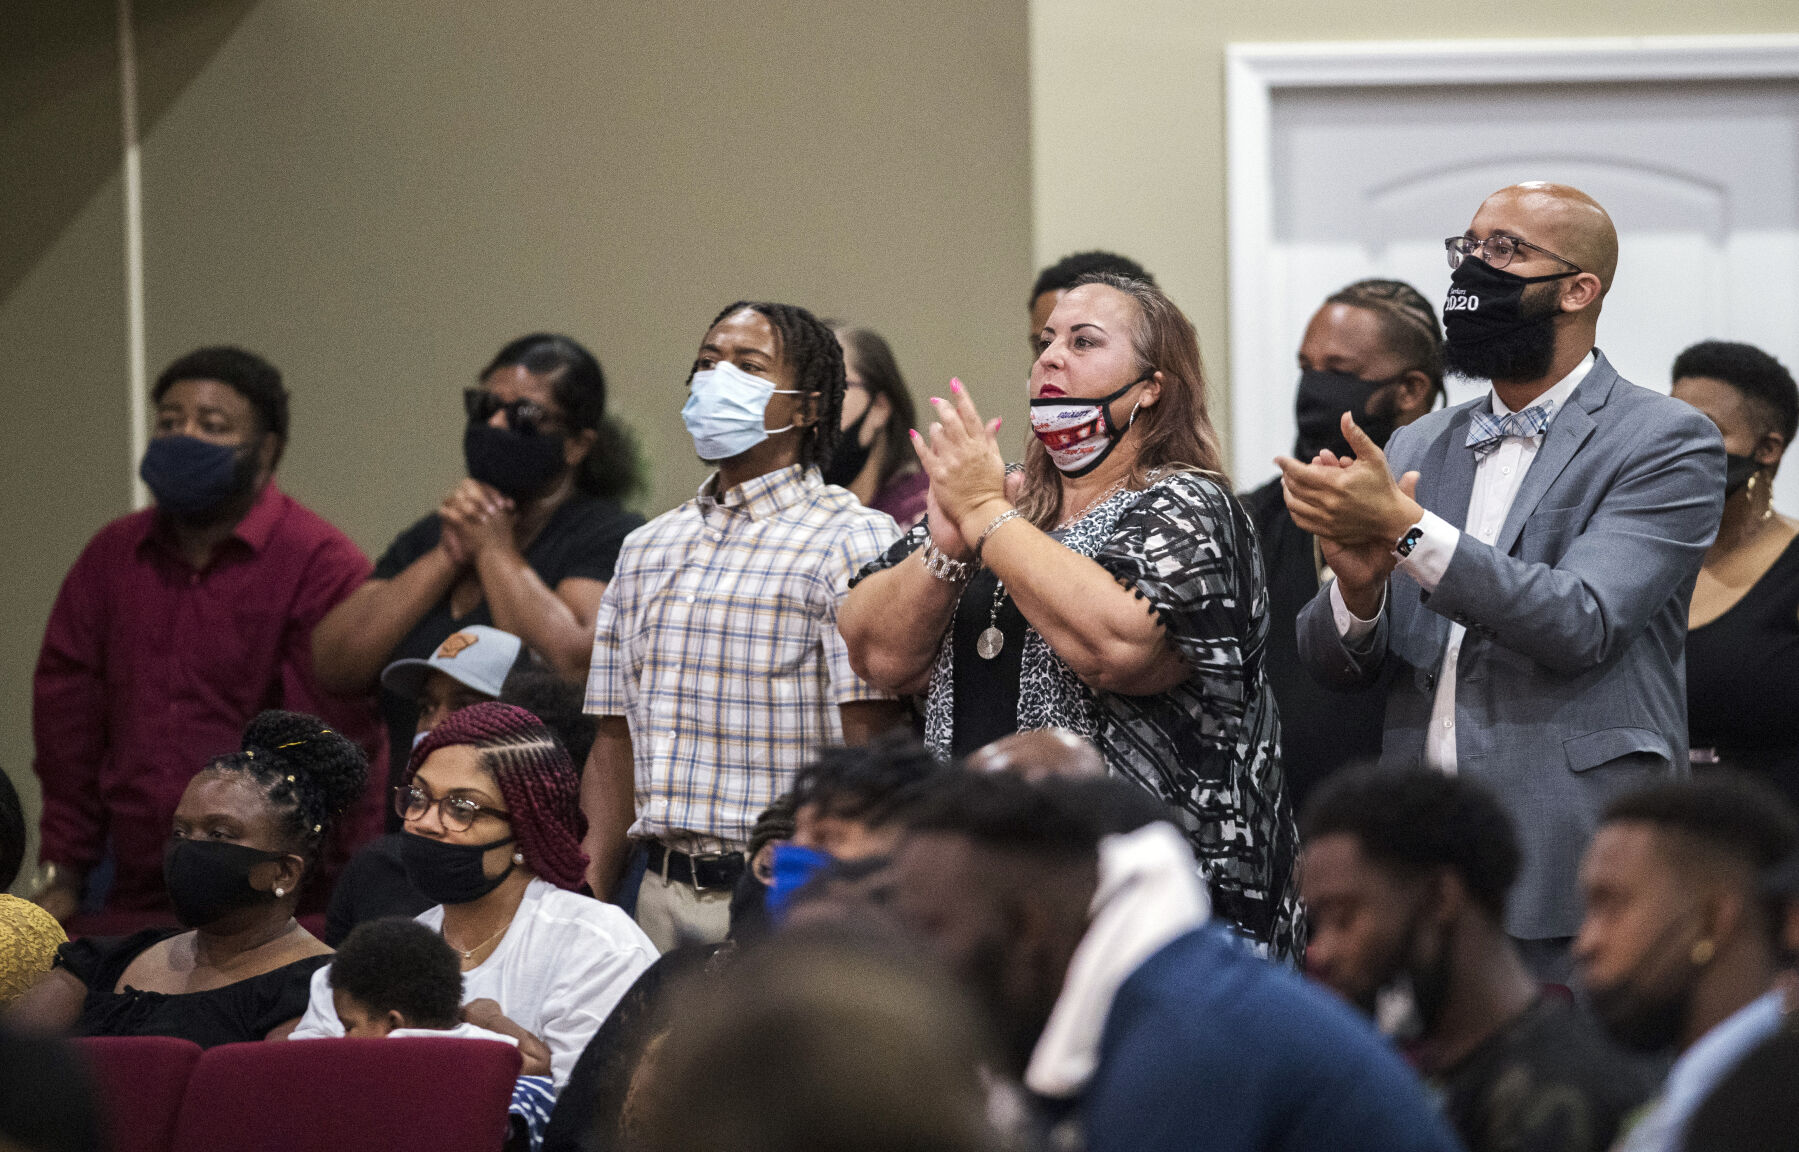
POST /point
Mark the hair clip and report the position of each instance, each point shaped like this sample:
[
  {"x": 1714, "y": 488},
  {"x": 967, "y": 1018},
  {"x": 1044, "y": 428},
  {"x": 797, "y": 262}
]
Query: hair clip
[
  {"x": 289, "y": 744},
  {"x": 290, "y": 779},
  {"x": 250, "y": 753},
  {"x": 318, "y": 827}
]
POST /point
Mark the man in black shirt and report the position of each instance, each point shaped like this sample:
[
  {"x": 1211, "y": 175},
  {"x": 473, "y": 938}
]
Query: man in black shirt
[
  {"x": 1404, "y": 877},
  {"x": 1373, "y": 349}
]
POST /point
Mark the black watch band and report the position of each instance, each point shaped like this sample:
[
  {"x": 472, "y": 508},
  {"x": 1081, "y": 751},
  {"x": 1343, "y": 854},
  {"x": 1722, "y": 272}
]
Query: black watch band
[{"x": 1409, "y": 541}]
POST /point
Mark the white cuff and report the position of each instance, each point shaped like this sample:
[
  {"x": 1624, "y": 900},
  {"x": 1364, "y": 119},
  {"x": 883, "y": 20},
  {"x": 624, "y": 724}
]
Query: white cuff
[
  {"x": 1431, "y": 555},
  {"x": 1352, "y": 628}
]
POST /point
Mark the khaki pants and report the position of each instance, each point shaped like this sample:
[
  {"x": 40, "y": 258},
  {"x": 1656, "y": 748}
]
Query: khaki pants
[{"x": 672, "y": 913}]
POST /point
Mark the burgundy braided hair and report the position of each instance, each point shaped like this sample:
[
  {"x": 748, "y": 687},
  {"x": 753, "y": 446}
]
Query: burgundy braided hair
[{"x": 536, "y": 779}]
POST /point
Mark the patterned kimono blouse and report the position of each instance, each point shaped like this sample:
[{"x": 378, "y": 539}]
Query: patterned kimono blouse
[{"x": 1210, "y": 746}]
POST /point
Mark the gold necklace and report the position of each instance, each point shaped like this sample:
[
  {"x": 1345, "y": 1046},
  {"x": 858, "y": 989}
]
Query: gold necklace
[{"x": 470, "y": 954}]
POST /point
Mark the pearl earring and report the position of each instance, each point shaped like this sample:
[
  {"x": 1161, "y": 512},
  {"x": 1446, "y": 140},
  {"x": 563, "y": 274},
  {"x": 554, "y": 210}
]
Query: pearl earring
[
  {"x": 280, "y": 892},
  {"x": 518, "y": 857}
]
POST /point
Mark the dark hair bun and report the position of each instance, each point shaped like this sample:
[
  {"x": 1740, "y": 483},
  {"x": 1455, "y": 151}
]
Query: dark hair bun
[{"x": 329, "y": 770}]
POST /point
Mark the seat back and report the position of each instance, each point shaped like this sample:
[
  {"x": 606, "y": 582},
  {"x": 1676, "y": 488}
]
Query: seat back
[
  {"x": 448, "y": 1095},
  {"x": 142, "y": 1081}
]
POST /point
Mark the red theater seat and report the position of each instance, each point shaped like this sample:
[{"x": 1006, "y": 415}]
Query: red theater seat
[
  {"x": 349, "y": 1096},
  {"x": 141, "y": 1080}
]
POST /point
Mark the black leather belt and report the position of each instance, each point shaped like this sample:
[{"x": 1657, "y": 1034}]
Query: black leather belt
[{"x": 704, "y": 873}]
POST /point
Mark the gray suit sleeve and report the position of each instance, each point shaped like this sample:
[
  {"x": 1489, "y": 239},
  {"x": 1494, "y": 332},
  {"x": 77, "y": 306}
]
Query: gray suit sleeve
[
  {"x": 1647, "y": 537},
  {"x": 1330, "y": 661}
]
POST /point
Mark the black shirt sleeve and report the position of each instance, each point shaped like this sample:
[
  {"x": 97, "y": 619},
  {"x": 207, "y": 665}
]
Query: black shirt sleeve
[
  {"x": 407, "y": 547},
  {"x": 582, "y": 541}
]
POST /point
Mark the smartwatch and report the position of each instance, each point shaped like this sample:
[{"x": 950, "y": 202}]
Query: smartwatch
[{"x": 1409, "y": 541}]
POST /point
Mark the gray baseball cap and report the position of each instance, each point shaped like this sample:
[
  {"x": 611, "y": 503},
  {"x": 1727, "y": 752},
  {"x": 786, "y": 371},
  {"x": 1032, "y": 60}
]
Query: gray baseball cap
[{"x": 477, "y": 656}]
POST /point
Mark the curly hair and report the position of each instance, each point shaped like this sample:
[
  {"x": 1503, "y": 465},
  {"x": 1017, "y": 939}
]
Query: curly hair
[
  {"x": 1416, "y": 820},
  {"x": 309, "y": 773},
  {"x": 862, "y": 783},
  {"x": 809, "y": 349},
  {"x": 535, "y": 777},
  {"x": 613, "y": 469},
  {"x": 1068, "y": 271},
  {"x": 1763, "y": 380},
  {"x": 397, "y": 964}
]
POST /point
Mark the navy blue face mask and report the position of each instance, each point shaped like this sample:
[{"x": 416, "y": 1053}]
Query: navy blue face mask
[{"x": 191, "y": 478}]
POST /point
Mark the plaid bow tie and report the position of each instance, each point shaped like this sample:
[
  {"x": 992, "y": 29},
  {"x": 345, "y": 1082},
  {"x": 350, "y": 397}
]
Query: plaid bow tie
[{"x": 1487, "y": 430}]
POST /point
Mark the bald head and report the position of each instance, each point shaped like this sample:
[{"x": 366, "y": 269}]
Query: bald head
[
  {"x": 1040, "y": 754},
  {"x": 1564, "y": 220}
]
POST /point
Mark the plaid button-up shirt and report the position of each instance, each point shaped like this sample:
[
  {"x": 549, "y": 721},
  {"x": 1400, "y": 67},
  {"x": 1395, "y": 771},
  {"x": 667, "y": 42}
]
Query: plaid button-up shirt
[{"x": 717, "y": 641}]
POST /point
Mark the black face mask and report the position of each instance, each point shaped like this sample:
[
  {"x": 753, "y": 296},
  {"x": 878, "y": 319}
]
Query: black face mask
[
  {"x": 1647, "y": 1020},
  {"x": 210, "y": 879},
  {"x": 851, "y": 455},
  {"x": 1323, "y": 398},
  {"x": 446, "y": 873},
  {"x": 520, "y": 466},
  {"x": 1490, "y": 331},
  {"x": 1737, "y": 471},
  {"x": 194, "y": 479}
]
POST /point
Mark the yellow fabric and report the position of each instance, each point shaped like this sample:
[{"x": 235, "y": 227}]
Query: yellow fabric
[{"x": 29, "y": 937}]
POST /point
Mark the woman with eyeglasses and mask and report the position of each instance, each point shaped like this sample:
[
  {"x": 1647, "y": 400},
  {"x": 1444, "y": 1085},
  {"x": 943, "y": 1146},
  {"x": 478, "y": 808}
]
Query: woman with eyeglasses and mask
[
  {"x": 874, "y": 457},
  {"x": 1743, "y": 623},
  {"x": 493, "y": 833},
  {"x": 1112, "y": 588},
  {"x": 525, "y": 543},
  {"x": 247, "y": 834}
]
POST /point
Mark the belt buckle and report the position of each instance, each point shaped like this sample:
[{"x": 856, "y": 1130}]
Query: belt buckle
[
  {"x": 1703, "y": 756},
  {"x": 693, "y": 869}
]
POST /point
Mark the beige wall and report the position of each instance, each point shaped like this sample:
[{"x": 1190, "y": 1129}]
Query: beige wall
[
  {"x": 377, "y": 194},
  {"x": 1128, "y": 116}
]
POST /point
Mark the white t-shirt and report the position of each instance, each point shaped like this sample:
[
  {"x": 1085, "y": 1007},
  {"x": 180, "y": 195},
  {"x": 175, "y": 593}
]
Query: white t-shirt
[
  {"x": 462, "y": 1031},
  {"x": 562, "y": 966}
]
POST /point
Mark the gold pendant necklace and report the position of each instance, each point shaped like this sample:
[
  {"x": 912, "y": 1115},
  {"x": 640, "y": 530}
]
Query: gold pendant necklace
[{"x": 469, "y": 955}]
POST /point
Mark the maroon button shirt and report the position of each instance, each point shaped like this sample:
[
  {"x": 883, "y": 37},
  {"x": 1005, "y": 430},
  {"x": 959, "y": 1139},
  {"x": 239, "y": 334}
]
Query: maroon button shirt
[{"x": 150, "y": 668}]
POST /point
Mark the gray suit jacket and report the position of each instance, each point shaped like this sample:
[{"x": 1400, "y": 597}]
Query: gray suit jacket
[{"x": 1571, "y": 683}]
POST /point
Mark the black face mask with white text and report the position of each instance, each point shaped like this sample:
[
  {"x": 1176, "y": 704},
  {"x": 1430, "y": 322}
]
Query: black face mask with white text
[{"x": 1493, "y": 329}]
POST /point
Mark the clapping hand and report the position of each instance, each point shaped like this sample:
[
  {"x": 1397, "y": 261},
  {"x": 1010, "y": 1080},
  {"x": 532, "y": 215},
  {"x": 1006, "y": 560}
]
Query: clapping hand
[{"x": 962, "y": 458}]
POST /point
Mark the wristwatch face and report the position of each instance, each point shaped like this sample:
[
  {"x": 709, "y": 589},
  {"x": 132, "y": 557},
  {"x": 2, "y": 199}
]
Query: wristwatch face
[{"x": 1409, "y": 541}]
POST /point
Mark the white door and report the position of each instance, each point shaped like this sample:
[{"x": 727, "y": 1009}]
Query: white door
[{"x": 1701, "y": 178}]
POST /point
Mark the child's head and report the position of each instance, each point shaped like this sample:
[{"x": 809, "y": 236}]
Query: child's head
[{"x": 395, "y": 973}]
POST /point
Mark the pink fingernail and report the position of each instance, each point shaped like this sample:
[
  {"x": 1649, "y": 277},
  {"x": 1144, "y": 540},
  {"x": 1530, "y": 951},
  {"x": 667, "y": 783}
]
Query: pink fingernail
[
  {"x": 997, "y": 421},
  {"x": 936, "y": 399},
  {"x": 955, "y": 385},
  {"x": 913, "y": 432}
]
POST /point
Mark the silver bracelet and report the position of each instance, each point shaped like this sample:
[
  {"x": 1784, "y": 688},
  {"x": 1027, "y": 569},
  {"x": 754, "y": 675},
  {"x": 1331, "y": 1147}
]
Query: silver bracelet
[
  {"x": 1008, "y": 514},
  {"x": 941, "y": 565}
]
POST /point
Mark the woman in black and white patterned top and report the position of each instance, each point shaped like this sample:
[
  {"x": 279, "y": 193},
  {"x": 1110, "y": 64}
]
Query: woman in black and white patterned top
[{"x": 1111, "y": 587}]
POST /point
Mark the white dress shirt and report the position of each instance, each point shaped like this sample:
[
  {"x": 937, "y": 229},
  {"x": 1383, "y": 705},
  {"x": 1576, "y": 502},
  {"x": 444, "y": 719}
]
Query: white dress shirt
[{"x": 1497, "y": 478}]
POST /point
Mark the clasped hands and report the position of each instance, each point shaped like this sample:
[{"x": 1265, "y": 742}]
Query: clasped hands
[
  {"x": 1357, "y": 511},
  {"x": 969, "y": 484},
  {"x": 474, "y": 518}
]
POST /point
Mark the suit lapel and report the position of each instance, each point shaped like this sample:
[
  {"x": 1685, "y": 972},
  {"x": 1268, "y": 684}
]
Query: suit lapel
[
  {"x": 1571, "y": 428},
  {"x": 1448, "y": 482}
]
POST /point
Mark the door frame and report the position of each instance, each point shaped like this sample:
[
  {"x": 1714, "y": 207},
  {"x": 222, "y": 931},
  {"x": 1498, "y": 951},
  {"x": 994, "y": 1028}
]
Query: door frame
[{"x": 1254, "y": 71}]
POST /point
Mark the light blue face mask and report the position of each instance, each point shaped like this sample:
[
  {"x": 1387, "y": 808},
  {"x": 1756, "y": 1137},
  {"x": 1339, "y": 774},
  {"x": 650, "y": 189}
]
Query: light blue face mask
[{"x": 726, "y": 410}]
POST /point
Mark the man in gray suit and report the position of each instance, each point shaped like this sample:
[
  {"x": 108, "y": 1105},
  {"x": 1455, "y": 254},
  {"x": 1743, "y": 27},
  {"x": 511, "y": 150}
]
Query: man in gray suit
[{"x": 1517, "y": 569}]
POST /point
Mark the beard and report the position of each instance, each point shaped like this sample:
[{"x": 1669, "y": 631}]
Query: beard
[
  {"x": 1524, "y": 353},
  {"x": 1645, "y": 1021}
]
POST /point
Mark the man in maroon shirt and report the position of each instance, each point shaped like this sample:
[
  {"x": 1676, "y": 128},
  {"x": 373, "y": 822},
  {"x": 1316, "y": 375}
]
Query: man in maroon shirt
[{"x": 177, "y": 625}]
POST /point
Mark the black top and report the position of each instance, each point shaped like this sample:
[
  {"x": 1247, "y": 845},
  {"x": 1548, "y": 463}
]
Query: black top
[
  {"x": 374, "y": 884},
  {"x": 238, "y": 1012},
  {"x": 1743, "y": 678},
  {"x": 1322, "y": 729},
  {"x": 1547, "y": 1082},
  {"x": 986, "y": 690},
  {"x": 581, "y": 541}
]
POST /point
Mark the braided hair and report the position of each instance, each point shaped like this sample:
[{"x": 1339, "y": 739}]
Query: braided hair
[
  {"x": 310, "y": 774},
  {"x": 811, "y": 352},
  {"x": 535, "y": 777},
  {"x": 1408, "y": 322}
]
